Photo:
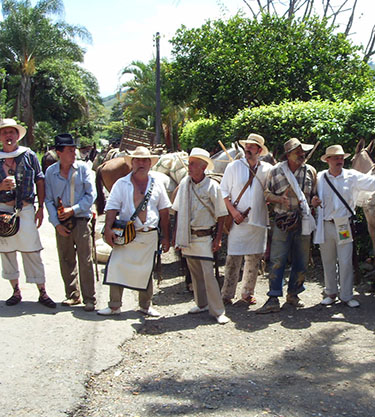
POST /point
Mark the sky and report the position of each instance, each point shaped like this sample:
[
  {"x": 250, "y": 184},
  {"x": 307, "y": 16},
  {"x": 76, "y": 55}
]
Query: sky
[{"x": 123, "y": 30}]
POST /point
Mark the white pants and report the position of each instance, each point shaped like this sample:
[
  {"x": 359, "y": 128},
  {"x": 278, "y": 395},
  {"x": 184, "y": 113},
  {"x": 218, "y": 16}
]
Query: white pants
[
  {"x": 331, "y": 254},
  {"x": 32, "y": 266}
]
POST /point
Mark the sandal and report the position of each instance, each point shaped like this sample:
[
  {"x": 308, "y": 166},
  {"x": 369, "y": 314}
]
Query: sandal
[
  {"x": 47, "y": 302},
  {"x": 14, "y": 299}
]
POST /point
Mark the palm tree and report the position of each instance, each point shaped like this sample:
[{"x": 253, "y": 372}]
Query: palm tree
[{"x": 29, "y": 37}]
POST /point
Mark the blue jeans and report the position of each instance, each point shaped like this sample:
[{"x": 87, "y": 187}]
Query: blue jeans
[{"x": 282, "y": 244}]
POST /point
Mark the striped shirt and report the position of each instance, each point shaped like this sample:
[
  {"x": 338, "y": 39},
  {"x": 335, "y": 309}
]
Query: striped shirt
[{"x": 277, "y": 184}]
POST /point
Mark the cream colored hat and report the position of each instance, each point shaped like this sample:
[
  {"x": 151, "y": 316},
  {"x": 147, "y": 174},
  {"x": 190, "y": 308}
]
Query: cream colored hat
[
  {"x": 12, "y": 123},
  {"x": 294, "y": 143},
  {"x": 258, "y": 140},
  {"x": 204, "y": 155},
  {"x": 141, "y": 152},
  {"x": 334, "y": 150}
]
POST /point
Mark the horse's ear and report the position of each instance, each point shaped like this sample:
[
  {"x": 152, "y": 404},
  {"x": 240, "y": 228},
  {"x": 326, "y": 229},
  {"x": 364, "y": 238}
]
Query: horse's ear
[
  {"x": 370, "y": 147},
  {"x": 360, "y": 145}
]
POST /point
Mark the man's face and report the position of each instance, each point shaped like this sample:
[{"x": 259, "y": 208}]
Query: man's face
[
  {"x": 196, "y": 167},
  {"x": 252, "y": 150},
  {"x": 297, "y": 156},
  {"x": 68, "y": 155},
  {"x": 141, "y": 165},
  {"x": 335, "y": 162},
  {"x": 9, "y": 135}
]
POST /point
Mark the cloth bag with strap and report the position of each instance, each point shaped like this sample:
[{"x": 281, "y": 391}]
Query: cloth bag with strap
[
  {"x": 10, "y": 222},
  {"x": 228, "y": 221},
  {"x": 125, "y": 230}
]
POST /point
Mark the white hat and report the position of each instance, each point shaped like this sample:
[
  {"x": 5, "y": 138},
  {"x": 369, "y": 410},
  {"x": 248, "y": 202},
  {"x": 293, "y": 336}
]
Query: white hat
[
  {"x": 294, "y": 143},
  {"x": 141, "y": 152},
  {"x": 204, "y": 155},
  {"x": 334, "y": 150},
  {"x": 257, "y": 140},
  {"x": 12, "y": 123}
]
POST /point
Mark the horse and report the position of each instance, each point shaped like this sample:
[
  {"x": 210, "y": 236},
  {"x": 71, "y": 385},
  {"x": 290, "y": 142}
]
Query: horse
[{"x": 363, "y": 162}]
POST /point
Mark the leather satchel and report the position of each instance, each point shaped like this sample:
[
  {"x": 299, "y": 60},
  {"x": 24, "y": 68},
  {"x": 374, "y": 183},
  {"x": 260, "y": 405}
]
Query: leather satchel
[{"x": 9, "y": 223}]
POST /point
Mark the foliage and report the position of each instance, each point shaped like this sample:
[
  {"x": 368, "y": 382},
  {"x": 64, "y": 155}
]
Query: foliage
[
  {"x": 203, "y": 133},
  {"x": 113, "y": 131},
  {"x": 44, "y": 135},
  {"x": 29, "y": 41},
  {"x": 225, "y": 66},
  {"x": 3, "y": 94}
]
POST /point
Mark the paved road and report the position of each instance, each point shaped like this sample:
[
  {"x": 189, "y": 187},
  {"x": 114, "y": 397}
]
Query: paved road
[{"x": 47, "y": 355}]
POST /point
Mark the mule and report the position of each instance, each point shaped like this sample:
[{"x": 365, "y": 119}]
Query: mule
[{"x": 363, "y": 161}]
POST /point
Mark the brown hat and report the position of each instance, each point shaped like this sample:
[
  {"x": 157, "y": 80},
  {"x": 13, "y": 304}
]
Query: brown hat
[
  {"x": 334, "y": 150},
  {"x": 257, "y": 140},
  {"x": 12, "y": 123},
  {"x": 294, "y": 143},
  {"x": 141, "y": 152}
]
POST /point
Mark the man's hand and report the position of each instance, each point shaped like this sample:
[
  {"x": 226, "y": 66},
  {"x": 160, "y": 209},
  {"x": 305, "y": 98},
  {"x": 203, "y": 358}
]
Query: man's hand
[
  {"x": 62, "y": 230},
  {"x": 165, "y": 244},
  {"x": 284, "y": 199},
  {"x": 237, "y": 216},
  {"x": 216, "y": 244},
  {"x": 316, "y": 201},
  {"x": 109, "y": 236},
  {"x": 39, "y": 217},
  {"x": 68, "y": 212}
]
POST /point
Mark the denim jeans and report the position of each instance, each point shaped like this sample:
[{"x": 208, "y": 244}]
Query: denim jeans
[{"x": 283, "y": 244}]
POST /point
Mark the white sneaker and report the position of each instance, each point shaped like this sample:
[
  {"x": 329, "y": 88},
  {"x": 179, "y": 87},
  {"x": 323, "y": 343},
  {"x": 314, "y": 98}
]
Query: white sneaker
[
  {"x": 197, "y": 309},
  {"x": 328, "y": 301},
  {"x": 222, "y": 319},
  {"x": 109, "y": 311},
  {"x": 150, "y": 312},
  {"x": 352, "y": 303}
]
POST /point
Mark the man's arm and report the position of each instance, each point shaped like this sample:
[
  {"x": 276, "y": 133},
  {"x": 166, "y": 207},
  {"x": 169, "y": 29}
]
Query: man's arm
[
  {"x": 109, "y": 235},
  {"x": 216, "y": 243},
  {"x": 164, "y": 225},
  {"x": 41, "y": 194}
]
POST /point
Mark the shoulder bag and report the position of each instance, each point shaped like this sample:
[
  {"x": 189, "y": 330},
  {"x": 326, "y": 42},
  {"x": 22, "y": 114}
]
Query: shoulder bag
[{"x": 125, "y": 230}]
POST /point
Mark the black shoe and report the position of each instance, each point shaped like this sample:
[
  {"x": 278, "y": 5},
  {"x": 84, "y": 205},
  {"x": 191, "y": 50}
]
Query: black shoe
[
  {"x": 47, "y": 302},
  {"x": 13, "y": 300},
  {"x": 270, "y": 306}
]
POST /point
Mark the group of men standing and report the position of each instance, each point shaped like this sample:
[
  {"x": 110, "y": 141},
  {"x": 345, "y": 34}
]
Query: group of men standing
[{"x": 303, "y": 202}]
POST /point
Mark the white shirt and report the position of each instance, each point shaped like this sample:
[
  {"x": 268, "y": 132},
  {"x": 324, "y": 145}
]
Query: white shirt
[
  {"x": 121, "y": 198},
  {"x": 349, "y": 184}
]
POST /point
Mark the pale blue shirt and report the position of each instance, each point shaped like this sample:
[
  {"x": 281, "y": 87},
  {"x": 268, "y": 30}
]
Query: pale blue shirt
[{"x": 58, "y": 186}]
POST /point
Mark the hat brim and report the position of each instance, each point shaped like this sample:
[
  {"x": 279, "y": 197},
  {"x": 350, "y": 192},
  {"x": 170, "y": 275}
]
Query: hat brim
[
  {"x": 304, "y": 146},
  {"x": 325, "y": 157},
  {"x": 210, "y": 164},
  {"x": 264, "y": 148},
  {"x": 154, "y": 158}
]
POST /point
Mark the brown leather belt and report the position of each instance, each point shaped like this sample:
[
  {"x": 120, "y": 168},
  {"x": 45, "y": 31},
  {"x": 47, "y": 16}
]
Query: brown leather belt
[
  {"x": 330, "y": 221},
  {"x": 201, "y": 233}
]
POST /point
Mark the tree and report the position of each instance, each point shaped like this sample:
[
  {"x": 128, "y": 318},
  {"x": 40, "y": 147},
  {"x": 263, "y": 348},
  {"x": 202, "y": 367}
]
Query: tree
[
  {"x": 28, "y": 37},
  {"x": 331, "y": 10},
  {"x": 229, "y": 65}
]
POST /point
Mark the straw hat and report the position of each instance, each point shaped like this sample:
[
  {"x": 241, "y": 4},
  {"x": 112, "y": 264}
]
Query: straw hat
[
  {"x": 294, "y": 143},
  {"x": 12, "y": 123},
  {"x": 141, "y": 152},
  {"x": 257, "y": 140},
  {"x": 204, "y": 155},
  {"x": 334, "y": 150}
]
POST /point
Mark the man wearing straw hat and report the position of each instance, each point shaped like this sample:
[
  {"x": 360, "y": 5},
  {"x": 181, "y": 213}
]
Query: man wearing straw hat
[
  {"x": 200, "y": 206},
  {"x": 143, "y": 197},
  {"x": 338, "y": 189},
  {"x": 20, "y": 172},
  {"x": 242, "y": 188},
  {"x": 72, "y": 182},
  {"x": 291, "y": 187}
]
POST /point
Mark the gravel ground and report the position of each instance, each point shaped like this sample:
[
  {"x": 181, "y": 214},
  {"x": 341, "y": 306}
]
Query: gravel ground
[{"x": 315, "y": 361}]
